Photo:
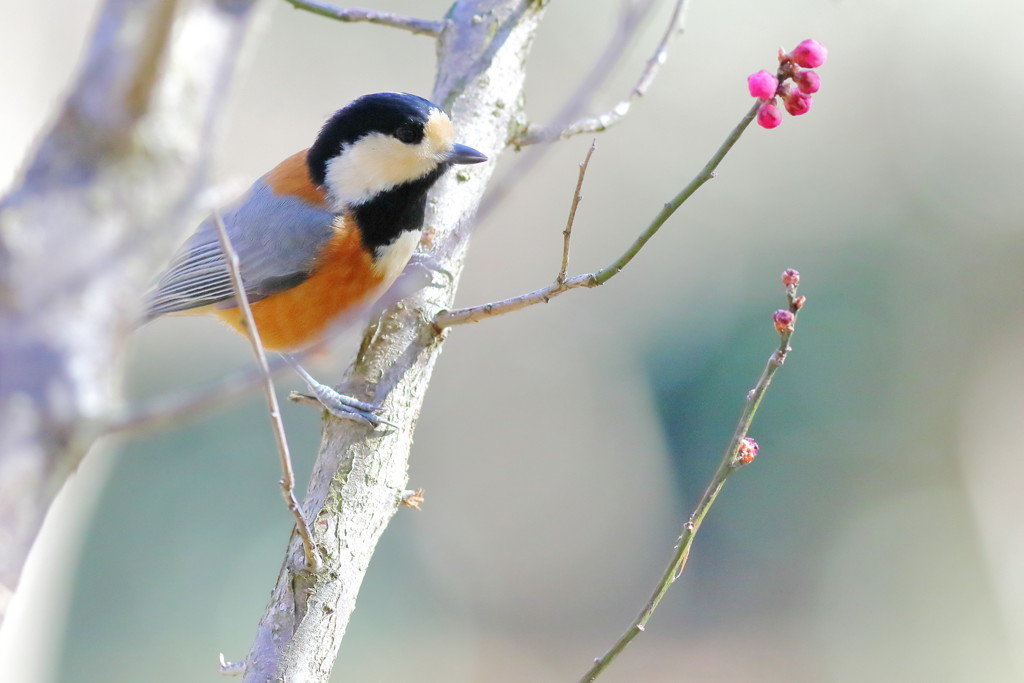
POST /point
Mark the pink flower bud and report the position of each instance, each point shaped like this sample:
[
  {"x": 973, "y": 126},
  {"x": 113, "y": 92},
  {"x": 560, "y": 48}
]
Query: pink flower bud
[
  {"x": 809, "y": 54},
  {"x": 807, "y": 81},
  {"x": 783, "y": 320},
  {"x": 790, "y": 277},
  {"x": 762, "y": 85},
  {"x": 797, "y": 103},
  {"x": 799, "y": 302},
  {"x": 768, "y": 115},
  {"x": 747, "y": 452}
]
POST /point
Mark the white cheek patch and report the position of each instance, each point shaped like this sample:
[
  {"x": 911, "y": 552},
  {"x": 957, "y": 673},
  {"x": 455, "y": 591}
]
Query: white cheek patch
[
  {"x": 372, "y": 165},
  {"x": 378, "y": 162}
]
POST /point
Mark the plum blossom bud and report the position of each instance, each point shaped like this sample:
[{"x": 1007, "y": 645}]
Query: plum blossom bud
[
  {"x": 762, "y": 85},
  {"x": 790, "y": 277},
  {"x": 783, "y": 320},
  {"x": 809, "y": 54},
  {"x": 768, "y": 116},
  {"x": 797, "y": 103},
  {"x": 808, "y": 81},
  {"x": 794, "y": 83},
  {"x": 746, "y": 453},
  {"x": 799, "y": 302}
]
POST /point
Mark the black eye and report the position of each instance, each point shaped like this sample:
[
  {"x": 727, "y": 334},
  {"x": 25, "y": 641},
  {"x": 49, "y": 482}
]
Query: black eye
[{"x": 406, "y": 134}]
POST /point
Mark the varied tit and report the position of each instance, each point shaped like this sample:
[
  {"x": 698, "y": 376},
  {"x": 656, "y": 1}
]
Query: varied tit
[{"x": 324, "y": 233}]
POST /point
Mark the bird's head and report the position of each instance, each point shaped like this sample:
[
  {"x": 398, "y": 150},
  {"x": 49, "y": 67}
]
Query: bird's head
[{"x": 383, "y": 141}]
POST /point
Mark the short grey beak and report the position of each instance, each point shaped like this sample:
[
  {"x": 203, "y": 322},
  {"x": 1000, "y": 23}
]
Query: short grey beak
[{"x": 461, "y": 154}]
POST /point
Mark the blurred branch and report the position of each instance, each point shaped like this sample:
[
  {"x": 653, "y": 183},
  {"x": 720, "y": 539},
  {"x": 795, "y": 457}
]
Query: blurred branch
[
  {"x": 532, "y": 135},
  {"x": 474, "y": 314},
  {"x": 625, "y": 29},
  {"x": 287, "y": 472},
  {"x": 179, "y": 407},
  {"x": 354, "y": 14},
  {"x": 97, "y": 209},
  {"x": 740, "y": 451},
  {"x": 360, "y": 477}
]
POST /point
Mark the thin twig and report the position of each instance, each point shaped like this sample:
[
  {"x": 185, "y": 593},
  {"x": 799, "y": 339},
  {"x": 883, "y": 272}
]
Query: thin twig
[
  {"x": 477, "y": 313},
  {"x": 576, "y": 198},
  {"x": 287, "y": 473},
  {"x": 706, "y": 174},
  {"x": 355, "y": 14},
  {"x": 595, "y": 124},
  {"x": 731, "y": 461},
  {"x": 626, "y": 28},
  {"x": 179, "y": 407}
]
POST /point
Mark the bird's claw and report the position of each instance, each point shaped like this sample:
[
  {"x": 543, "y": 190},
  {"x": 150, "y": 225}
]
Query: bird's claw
[
  {"x": 346, "y": 407},
  {"x": 338, "y": 404}
]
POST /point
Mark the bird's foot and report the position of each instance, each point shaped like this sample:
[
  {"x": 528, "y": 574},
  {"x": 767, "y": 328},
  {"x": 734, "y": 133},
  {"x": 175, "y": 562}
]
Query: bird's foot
[{"x": 339, "y": 404}]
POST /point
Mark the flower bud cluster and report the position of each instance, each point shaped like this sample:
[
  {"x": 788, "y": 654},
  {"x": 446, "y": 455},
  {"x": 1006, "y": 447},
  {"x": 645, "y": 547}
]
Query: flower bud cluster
[{"x": 794, "y": 66}]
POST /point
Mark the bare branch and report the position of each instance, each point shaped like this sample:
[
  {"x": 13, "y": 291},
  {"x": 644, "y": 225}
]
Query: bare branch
[
  {"x": 626, "y": 28},
  {"x": 474, "y": 314},
  {"x": 739, "y": 452},
  {"x": 98, "y": 208},
  {"x": 576, "y": 198},
  {"x": 182, "y": 406},
  {"x": 287, "y": 472},
  {"x": 354, "y": 14},
  {"x": 361, "y": 477},
  {"x": 179, "y": 407},
  {"x": 595, "y": 124}
]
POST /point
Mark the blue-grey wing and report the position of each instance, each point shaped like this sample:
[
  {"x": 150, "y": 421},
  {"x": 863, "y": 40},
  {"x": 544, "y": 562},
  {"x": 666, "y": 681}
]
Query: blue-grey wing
[{"x": 277, "y": 238}]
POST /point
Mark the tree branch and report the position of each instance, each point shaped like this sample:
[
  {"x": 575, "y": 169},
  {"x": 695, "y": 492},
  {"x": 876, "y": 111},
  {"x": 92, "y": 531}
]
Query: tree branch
[
  {"x": 625, "y": 29},
  {"x": 474, "y": 314},
  {"x": 98, "y": 208},
  {"x": 181, "y": 406},
  {"x": 576, "y": 199},
  {"x": 354, "y": 14},
  {"x": 740, "y": 451},
  {"x": 595, "y": 124},
  {"x": 361, "y": 476},
  {"x": 287, "y": 472}
]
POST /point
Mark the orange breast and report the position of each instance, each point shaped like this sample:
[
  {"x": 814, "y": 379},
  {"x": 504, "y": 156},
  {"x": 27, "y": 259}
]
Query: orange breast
[{"x": 343, "y": 281}]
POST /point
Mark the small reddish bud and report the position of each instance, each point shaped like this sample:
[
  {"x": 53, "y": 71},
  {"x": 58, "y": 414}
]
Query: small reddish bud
[
  {"x": 809, "y": 54},
  {"x": 797, "y": 103},
  {"x": 768, "y": 116},
  {"x": 746, "y": 452},
  {"x": 783, "y": 320},
  {"x": 413, "y": 499},
  {"x": 799, "y": 302},
  {"x": 791, "y": 277},
  {"x": 762, "y": 85},
  {"x": 808, "y": 81}
]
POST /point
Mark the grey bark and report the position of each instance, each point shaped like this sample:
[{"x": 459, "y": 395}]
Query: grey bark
[
  {"x": 100, "y": 204},
  {"x": 360, "y": 475}
]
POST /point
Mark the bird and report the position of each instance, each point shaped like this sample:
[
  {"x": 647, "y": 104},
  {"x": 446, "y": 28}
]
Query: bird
[{"x": 323, "y": 234}]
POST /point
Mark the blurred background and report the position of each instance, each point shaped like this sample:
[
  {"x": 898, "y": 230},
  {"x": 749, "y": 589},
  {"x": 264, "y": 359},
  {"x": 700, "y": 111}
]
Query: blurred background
[{"x": 561, "y": 448}]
